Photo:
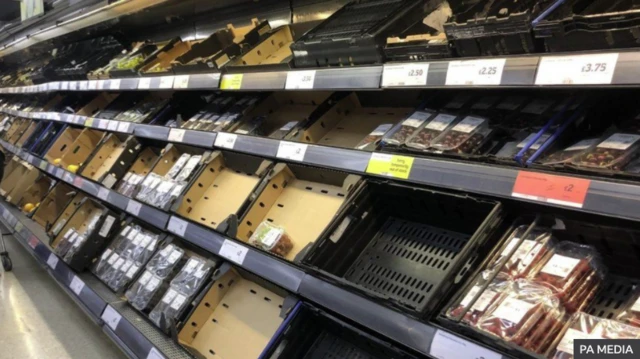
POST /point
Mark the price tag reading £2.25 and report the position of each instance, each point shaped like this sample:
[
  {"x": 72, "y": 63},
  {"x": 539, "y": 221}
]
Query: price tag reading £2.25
[
  {"x": 576, "y": 69},
  {"x": 300, "y": 80},
  {"x": 475, "y": 72},
  {"x": 449, "y": 346},
  {"x": 405, "y": 75}
]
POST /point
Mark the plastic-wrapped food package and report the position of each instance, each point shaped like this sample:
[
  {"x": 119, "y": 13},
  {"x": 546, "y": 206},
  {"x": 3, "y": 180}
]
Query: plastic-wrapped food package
[
  {"x": 101, "y": 263},
  {"x": 119, "y": 279},
  {"x": 630, "y": 314},
  {"x": 148, "y": 186},
  {"x": 534, "y": 146},
  {"x": 178, "y": 165},
  {"x": 435, "y": 127},
  {"x": 280, "y": 133},
  {"x": 79, "y": 241},
  {"x": 466, "y": 137},
  {"x": 567, "y": 269},
  {"x": 402, "y": 131},
  {"x": 538, "y": 243},
  {"x": 570, "y": 153},
  {"x": 188, "y": 168},
  {"x": 146, "y": 291},
  {"x": 519, "y": 313},
  {"x": 169, "y": 307},
  {"x": 271, "y": 238},
  {"x": 167, "y": 261},
  {"x": 67, "y": 241},
  {"x": 499, "y": 285},
  {"x": 128, "y": 184},
  {"x": 613, "y": 153},
  {"x": 374, "y": 136},
  {"x": 150, "y": 243},
  {"x": 192, "y": 275},
  {"x": 612, "y": 329}
]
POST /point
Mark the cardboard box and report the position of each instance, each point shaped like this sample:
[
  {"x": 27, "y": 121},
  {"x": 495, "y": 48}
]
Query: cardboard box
[
  {"x": 68, "y": 211},
  {"x": 161, "y": 62},
  {"x": 273, "y": 49},
  {"x": 19, "y": 180},
  {"x": 82, "y": 148},
  {"x": 53, "y": 204},
  {"x": 36, "y": 192},
  {"x": 62, "y": 144},
  {"x": 26, "y": 134},
  {"x": 115, "y": 149}
]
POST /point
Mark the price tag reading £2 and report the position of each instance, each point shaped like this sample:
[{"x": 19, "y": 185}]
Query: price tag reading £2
[
  {"x": 449, "y": 346},
  {"x": 405, "y": 75},
  {"x": 576, "y": 70},
  {"x": 300, "y": 80}
]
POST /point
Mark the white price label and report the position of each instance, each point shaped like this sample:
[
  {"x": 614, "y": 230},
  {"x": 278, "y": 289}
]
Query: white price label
[
  {"x": 76, "y": 285},
  {"x": 64, "y": 85},
  {"x": 123, "y": 127},
  {"x": 101, "y": 84},
  {"x": 233, "y": 251},
  {"x": 576, "y": 69},
  {"x": 560, "y": 266},
  {"x": 92, "y": 85},
  {"x": 144, "y": 83},
  {"x": 155, "y": 354},
  {"x": 405, "y": 75},
  {"x": 181, "y": 82},
  {"x": 83, "y": 85},
  {"x": 133, "y": 207},
  {"x": 177, "y": 226},
  {"x": 102, "y": 124},
  {"x": 73, "y": 85},
  {"x": 450, "y": 346},
  {"x": 103, "y": 193},
  {"x": 166, "y": 82},
  {"x": 513, "y": 309},
  {"x": 52, "y": 261},
  {"x": 292, "y": 151},
  {"x": 177, "y": 303},
  {"x": 114, "y": 84},
  {"x": 112, "y": 125},
  {"x": 111, "y": 317},
  {"x": 300, "y": 80},
  {"x": 475, "y": 72},
  {"x": 225, "y": 140},
  {"x": 176, "y": 135}
]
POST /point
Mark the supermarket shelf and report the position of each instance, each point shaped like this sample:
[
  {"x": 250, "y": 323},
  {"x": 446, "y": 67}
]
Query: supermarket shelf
[
  {"x": 387, "y": 322},
  {"x": 510, "y": 71},
  {"x": 136, "y": 336}
]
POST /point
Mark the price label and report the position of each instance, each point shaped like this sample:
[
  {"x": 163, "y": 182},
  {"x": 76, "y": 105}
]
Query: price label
[
  {"x": 92, "y": 85},
  {"x": 177, "y": 226},
  {"x": 102, "y": 124},
  {"x": 101, "y": 84},
  {"x": 576, "y": 70},
  {"x": 475, "y": 72},
  {"x": 133, "y": 207},
  {"x": 18, "y": 227},
  {"x": 155, "y": 354},
  {"x": 73, "y": 85},
  {"x": 103, "y": 193},
  {"x": 449, "y": 346},
  {"x": 52, "y": 261},
  {"x": 390, "y": 165},
  {"x": 43, "y": 165},
  {"x": 300, "y": 80},
  {"x": 64, "y": 85},
  {"x": 88, "y": 122},
  {"x": 123, "y": 127},
  {"x": 68, "y": 177},
  {"x": 231, "y": 82},
  {"x": 76, "y": 285},
  {"x": 77, "y": 180},
  {"x": 144, "y": 83},
  {"x": 112, "y": 125},
  {"x": 233, "y": 251},
  {"x": 166, "y": 82},
  {"x": 114, "y": 84},
  {"x": 33, "y": 242},
  {"x": 176, "y": 135},
  {"x": 292, "y": 151},
  {"x": 561, "y": 190},
  {"x": 111, "y": 317},
  {"x": 405, "y": 75},
  {"x": 83, "y": 85},
  {"x": 181, "y": 82},
  {"x": 225, "y": 140}
]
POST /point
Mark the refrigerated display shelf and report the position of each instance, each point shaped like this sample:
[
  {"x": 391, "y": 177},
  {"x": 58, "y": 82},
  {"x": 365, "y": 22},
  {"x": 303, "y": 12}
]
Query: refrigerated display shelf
[
  {"x": 400, "y": 327},
  {"x": 135, "y": 335},
  {"x": 604, "y": 197},
  {"x": 576, "y": 69}
]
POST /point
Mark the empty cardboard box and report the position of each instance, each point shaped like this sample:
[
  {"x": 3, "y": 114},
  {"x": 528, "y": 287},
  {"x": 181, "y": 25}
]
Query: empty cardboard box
[
  {"x": 53, "y": 204},
  {"x": 107, "y": 164}
]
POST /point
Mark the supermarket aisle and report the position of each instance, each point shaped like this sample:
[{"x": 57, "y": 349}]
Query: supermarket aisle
[{"x": 37, "y": 320}]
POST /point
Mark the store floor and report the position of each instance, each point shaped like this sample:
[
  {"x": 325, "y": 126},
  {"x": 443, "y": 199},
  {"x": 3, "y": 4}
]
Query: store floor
[{"x": 38, "y": 319}]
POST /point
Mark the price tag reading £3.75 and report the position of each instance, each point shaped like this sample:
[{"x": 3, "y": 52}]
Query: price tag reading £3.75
[
  {"x": 576, "y": 70},
  {"x": 405, "y": 75}
]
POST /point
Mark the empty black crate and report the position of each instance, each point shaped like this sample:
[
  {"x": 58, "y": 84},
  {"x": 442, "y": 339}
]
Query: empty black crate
[
  {"x": 404, "y": 244},
  {"x": 314, "y": 334},
  {"x": 356, "y": 34},
  {"x": 590, "y": 25}
]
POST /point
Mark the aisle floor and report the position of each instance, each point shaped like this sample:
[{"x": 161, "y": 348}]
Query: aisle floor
[{"x": 39, "y": 320}]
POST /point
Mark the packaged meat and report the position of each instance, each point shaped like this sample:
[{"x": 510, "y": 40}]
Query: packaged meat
[
  {"x": 631, "y": 311},
  {"x": 500, "y": 284},
  {"x": 374, "y": 136},
  {"x": 466, "y": 137},
  {"x": 581, "y": 326},
  {"x": 538, "y": 243},
  {"x": 167, "y": 261},
  {"x": 402, "y": 131},
  {"x": 519, "y": 312},
  {"x": 271, "y": 238},
  {"x": 535, "y": 146},
  {"x": 431, "y": 130},
  {"x": 567, "y": 269},
  {"x": 613, "y": 329},
  {"x": 568, "y": 154},
  {"x": 543, "y": 335},
  {"x": 613, "y": 153}
]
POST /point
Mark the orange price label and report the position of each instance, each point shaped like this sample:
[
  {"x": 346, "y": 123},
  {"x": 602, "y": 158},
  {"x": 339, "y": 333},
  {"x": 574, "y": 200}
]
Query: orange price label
[{"x": 566, "y": 191}]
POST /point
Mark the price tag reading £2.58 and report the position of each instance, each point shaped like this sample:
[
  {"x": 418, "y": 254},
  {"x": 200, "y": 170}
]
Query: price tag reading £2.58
[
  {"x": 300, "y": 80},
  {"x": 405, "y": 75},
  {"x": 576, "y": 70}
]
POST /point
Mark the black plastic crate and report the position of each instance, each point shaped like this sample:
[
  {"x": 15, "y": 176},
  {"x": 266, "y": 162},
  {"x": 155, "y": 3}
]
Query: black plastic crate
[
  {"x": 315, "y": 334},
  {"x": 494, "y": 27},
  {"x": 405, "y": 245},
  {"x": 590, "y": 25},
  {"x": 356, "y": 33}
]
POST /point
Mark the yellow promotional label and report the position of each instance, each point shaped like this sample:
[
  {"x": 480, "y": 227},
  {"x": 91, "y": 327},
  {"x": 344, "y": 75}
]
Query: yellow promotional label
[
  {"x": 88, "y": 122},
  {"x": 390, "y": 165},
  {"x": 231, "y": 82},
  {"x": 18, "y": 227},
  {"x": 43, "y": 165}
]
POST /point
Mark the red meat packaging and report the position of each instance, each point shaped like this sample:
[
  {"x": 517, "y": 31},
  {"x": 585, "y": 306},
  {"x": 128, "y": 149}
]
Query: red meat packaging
[
  {"x": 527, "y": 252},
  {"x": 500, "y": 284},
  {"x": 631, "y": 314}
]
